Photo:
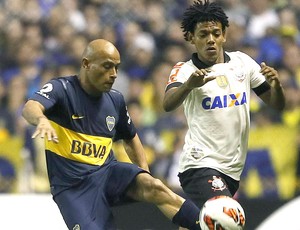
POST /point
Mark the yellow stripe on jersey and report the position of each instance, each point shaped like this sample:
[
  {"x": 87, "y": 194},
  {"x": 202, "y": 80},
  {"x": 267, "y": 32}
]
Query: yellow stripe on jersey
[{"x": 79, "y": 147}]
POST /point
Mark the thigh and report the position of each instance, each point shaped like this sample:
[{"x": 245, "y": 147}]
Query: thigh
[{"x": 203, "y": 184}]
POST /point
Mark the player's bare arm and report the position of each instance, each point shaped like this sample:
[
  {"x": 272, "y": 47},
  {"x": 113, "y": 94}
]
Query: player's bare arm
[
  {"x": 33, "y": 113},
  {"x": 175, "y": 96},
  {"x": 274, "y": 97},
  {"x": 135, "y": 152}
]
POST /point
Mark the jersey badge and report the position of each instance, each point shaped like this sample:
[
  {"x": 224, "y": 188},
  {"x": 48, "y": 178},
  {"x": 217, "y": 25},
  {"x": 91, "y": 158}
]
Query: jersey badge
[
  {"x": 240, "y": 76},
  {"x": 222, "y": 81},
  {"x": 217, "y": 184},
  {"x": 110, "y": 122}
]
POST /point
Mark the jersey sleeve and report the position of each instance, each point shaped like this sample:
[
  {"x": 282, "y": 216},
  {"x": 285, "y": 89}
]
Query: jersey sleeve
[
  {"x": 125, "y": 128},
  {"x": 49, "y": 94},
  {"x": 179, "y": 74},
  {"x": 256, "y": 78}
]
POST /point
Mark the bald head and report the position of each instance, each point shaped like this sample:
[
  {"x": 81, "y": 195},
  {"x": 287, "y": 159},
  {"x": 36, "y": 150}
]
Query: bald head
[
  {"x": 99, "y": 67},
  {"x": 100, "y": 48}
]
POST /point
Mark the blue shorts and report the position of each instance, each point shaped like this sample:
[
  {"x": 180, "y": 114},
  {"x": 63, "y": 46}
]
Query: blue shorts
[{"x": 87, "y": 206}]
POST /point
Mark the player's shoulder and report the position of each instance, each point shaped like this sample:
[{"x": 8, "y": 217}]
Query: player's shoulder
[
  {"x": 184, "y": 66},
  {"x": 63, "y": 81},
  {"x": 116, "y": 95},
  {"x": 238, "y": 54},
  {"x": 54, "y": 85},
  {"x": 241, "y": 57},
  {"x": 67, "y": 79},
  {"x": 181, "y": 64}
]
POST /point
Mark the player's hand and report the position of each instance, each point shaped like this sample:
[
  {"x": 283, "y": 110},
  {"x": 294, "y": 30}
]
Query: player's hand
[
  {"x": 270, "y": 74},
  {"x": 44, "y": 129},
  {"x": 199, "y": 78}
]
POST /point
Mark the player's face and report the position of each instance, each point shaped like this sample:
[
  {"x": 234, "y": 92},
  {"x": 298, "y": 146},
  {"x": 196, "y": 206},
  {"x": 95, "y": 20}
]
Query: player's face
[
  {"x": 208, "y": 39},
  {"x": 102, "y": 72}
]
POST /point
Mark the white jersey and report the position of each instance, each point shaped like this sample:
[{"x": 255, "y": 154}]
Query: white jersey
[{"x": 218, "y": 115}]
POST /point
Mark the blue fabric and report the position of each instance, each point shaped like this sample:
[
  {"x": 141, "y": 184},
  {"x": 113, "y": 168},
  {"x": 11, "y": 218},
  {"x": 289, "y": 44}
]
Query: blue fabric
[{"x": 94, "y": 196}]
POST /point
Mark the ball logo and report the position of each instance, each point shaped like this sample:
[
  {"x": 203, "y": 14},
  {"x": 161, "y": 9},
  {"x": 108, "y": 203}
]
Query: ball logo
[{"x": 235, "y": 214}]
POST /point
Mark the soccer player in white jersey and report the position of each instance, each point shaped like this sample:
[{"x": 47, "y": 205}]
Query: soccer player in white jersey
[{"x": 214, "y": 87}]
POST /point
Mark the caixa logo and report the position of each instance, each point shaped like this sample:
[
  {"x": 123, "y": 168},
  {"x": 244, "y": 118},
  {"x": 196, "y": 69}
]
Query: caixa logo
[{"x": 224, "y": 101}]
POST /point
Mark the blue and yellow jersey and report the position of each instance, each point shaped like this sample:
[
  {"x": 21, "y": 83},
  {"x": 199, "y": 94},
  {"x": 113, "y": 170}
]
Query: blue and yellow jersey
[{"x": 86, "y": 127}]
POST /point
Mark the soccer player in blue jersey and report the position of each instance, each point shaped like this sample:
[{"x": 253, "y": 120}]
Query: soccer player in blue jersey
[
  {"x": 214, "y": 88},
  {"x": 79, "y": 117}
]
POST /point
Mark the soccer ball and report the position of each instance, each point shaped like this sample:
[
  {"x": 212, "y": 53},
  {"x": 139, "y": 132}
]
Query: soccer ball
[{"x": 222, "y": 213}]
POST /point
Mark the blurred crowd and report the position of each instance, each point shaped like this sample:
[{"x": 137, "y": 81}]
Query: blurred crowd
[{"x": 42, "y": 39}]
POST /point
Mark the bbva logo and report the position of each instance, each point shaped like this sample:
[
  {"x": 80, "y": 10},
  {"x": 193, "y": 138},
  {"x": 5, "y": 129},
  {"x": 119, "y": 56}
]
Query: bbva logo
[{"x": 88, "y": 149}]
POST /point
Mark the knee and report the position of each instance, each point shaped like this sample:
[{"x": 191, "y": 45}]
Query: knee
[
  {"x": 157, "y": 186},
  {"x": 153, "y": 184},
  {"x": 153, "y": 190},
  {"x": 153, "y": 187}
]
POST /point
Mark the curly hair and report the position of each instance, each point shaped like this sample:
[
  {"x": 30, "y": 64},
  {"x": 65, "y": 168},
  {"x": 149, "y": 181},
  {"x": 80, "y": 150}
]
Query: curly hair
[{"x": 202, "y": 11}]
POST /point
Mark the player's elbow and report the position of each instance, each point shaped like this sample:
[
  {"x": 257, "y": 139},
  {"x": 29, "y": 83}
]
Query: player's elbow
[
  {"x": 169, "y": 103},
  {"x": 168, "y": 107},
  {"x": 25, "y": 110}
]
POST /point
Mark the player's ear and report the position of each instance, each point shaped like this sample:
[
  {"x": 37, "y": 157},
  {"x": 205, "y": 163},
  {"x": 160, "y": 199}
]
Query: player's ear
[
  {"x": 190, "y": 37},
  {"x": 85, "y": 63},
  {"x": 224, "y": 35}
]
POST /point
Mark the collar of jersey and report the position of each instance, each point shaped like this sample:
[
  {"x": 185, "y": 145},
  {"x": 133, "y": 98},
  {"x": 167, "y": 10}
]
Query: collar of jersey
[{"x": 200, "y": 65}]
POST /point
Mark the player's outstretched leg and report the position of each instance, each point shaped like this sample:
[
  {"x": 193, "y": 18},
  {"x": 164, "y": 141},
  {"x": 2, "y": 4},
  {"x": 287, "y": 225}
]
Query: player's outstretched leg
[{"x": 182, "y": 212}]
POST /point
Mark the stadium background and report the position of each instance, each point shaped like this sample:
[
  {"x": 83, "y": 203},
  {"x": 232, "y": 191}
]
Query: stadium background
[{"x": 41, "y": 39}]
